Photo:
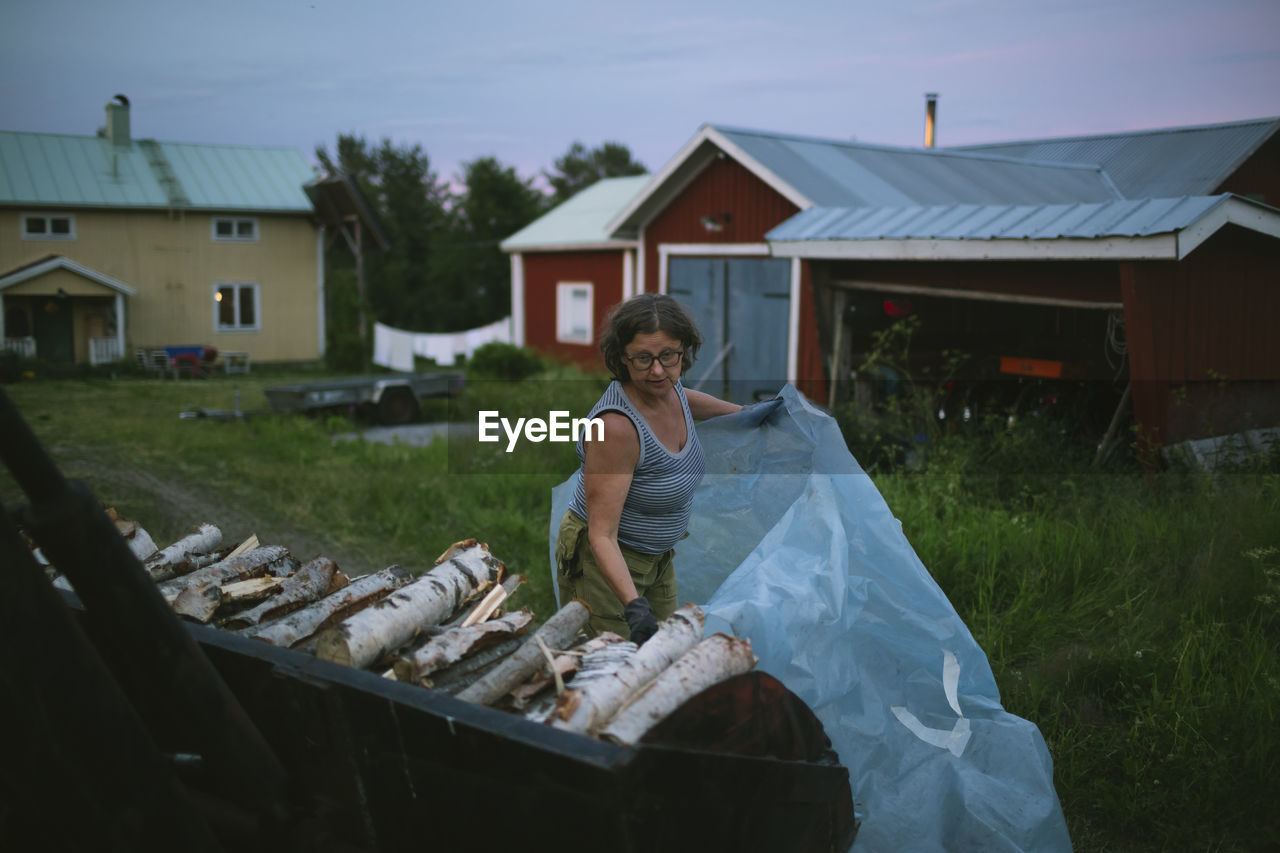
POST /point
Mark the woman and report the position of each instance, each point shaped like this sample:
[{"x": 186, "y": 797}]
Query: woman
[{"x": 633, "y": 499}]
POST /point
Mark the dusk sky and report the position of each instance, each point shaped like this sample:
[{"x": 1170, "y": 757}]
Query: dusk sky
[{"x": 520, "y": 81}]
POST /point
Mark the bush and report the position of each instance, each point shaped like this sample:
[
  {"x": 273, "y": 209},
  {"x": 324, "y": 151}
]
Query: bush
[{"x": 504, "y": 361}]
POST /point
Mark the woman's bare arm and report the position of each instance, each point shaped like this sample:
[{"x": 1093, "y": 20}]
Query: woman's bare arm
[
  {"x": 703, "y": 406},
  {"x": 607, "y": 471}
]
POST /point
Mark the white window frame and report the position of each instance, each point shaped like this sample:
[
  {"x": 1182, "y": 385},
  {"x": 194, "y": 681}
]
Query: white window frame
[
  {"x": 237, "y": 286},
  {"x": 235, "y": 229},
  {"x": 566, "y": 329},
  {"x": 48, "y": 226}
]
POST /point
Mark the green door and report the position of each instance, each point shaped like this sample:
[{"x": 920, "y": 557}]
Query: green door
[{"x": 54, "y": 332}]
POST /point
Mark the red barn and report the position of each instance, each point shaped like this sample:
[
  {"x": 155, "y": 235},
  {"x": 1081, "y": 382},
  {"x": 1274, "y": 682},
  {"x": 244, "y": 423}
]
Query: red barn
[
  {"x": 567, "y": 272},
  {"x": 774, "y": 241}
]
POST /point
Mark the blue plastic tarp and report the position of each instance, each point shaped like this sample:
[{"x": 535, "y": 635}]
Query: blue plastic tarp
[{"x": 792, "y": 546}]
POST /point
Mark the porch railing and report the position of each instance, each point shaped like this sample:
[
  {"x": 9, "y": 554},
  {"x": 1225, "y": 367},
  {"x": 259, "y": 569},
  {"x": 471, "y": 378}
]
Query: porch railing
[
  {"x": 24, "y": 347},
  {"x": 105, "y": 350}
]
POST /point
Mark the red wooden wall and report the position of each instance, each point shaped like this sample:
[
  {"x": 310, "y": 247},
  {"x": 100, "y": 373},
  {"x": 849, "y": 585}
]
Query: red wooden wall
[
  {"x": 1259, "y": 176},
  {"x": 1204, "y": 355},
  {"x": 725, "y": 186},
  {"x": 542, "y": 272}
]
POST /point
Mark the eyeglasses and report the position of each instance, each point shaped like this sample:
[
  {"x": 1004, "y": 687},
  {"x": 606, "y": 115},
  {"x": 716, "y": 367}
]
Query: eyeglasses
[{"x": 644, "y": 360}]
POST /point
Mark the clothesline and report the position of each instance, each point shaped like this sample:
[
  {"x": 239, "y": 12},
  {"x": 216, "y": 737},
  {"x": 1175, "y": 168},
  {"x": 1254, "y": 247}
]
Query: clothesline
[{"x": 395, "y": 348}]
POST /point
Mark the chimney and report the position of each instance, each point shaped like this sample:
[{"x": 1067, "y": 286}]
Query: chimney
[
  {"x": 930, "y": 117},
  {"x": 118, "y": 120}
]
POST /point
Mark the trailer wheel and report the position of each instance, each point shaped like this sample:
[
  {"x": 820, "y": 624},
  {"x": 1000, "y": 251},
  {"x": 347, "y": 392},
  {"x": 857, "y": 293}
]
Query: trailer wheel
[{"x": 398, "y": 406}]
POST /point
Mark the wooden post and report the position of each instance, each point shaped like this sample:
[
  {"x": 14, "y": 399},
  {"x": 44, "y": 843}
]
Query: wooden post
[{"x": 837, "y": 340}]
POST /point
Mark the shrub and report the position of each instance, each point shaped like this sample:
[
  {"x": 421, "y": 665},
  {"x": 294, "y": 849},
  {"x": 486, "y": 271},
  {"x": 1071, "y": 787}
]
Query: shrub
[{"x": 504, "y": 361}]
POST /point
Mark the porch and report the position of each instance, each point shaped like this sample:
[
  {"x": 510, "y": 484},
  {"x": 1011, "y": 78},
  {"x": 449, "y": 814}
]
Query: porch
[{"x": 63, "y": 313}]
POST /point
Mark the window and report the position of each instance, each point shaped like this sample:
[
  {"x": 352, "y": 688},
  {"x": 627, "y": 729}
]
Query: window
[
  {"x": 236, "y": 307},
  {"x": 48, "y": 226},
  {"x": 235, "y": 229},
  {"x": 574, "y": 312}
]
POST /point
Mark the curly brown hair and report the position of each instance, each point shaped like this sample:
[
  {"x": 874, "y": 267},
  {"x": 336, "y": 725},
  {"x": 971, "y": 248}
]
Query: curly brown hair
[{"x": 644, "y": 315}]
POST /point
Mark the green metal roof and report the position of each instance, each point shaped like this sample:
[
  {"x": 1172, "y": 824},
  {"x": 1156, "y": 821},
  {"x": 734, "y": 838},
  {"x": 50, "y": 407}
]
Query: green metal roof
[
  {"x": 48, "y": 169},
  {"x": 580, "y": 222}
]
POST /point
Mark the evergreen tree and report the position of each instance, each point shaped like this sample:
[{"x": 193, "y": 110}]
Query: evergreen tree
[{"x": 579, "y": 168}]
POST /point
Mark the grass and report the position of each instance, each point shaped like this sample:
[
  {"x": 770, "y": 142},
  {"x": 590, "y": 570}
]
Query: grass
[{"x": 1134, "y": 618}]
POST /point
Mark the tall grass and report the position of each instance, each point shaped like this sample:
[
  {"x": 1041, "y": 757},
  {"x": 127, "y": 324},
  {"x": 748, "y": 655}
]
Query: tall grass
[{"x": 1135, "y": 618}]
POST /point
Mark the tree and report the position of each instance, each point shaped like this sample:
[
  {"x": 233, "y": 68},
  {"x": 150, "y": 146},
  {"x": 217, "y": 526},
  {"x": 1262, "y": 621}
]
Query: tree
[
  {"x": 580, "y": 168},
  {"x": 496, "y": 204},
  {"x": 411, "y": 205}
]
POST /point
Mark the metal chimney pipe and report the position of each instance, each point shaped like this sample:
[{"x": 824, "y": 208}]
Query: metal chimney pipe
[
  {"x": 930, "y": 117},
  {"x": 118, "y": 120}
]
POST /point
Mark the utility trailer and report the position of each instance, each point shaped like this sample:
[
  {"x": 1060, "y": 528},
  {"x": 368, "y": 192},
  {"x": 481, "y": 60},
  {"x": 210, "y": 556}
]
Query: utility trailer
[
  {"x": 131, "y": 730},
  {"x": 392, "y": 397}
]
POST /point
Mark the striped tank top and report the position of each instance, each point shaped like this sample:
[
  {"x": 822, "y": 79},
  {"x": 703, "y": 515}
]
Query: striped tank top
[{"x": 656, "y": 513}]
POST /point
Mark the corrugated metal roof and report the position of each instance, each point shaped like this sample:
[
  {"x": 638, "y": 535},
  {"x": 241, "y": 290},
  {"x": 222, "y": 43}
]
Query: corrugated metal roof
[
  {"x": 1152, "y": 163},
  {"x": 89, "y": 171},
  {"x": 849, "y": 174},
  {"x": 1139, "y": 218},
  {"x": 580, "y": 221}
]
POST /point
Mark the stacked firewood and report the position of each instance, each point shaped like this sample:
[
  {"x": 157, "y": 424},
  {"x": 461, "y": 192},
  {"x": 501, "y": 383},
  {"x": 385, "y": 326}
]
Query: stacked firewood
[{"x": 445, "y": 629}]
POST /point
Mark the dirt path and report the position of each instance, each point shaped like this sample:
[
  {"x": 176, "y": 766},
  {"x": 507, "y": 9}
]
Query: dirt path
[{"x": 168, "y": 507}]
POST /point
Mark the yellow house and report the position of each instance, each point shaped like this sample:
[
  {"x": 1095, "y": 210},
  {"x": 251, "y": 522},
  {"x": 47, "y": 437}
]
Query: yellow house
[{"x": 110, "y": 244}]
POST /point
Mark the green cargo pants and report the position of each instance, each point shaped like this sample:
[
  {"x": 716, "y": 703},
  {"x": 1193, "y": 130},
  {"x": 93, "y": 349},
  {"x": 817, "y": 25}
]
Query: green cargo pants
[{"x": 579, "y": 577}]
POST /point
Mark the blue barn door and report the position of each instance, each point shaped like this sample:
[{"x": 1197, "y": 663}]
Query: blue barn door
[{"x": 743, "y": 302}]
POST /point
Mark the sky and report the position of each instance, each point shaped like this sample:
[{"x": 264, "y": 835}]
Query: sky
[{"x": 521, "y": 81}]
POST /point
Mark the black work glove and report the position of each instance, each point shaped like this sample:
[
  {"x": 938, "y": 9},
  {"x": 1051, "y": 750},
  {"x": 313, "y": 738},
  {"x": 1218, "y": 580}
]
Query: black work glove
[{"x": 640, "y": 620}]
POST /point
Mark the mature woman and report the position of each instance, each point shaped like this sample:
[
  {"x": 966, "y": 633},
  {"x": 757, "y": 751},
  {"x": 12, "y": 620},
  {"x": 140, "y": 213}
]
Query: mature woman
[{"x": 633, "y": 499}]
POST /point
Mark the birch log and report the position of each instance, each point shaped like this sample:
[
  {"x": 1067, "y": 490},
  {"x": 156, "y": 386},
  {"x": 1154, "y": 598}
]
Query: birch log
[
  {"x": 510, "y": 584},
  {"x": 274, "y": 560},
  {"x": 600, "y": 646},
  {"x": 254, "y": 589},
  {"x": 590, "y": 707},
  {"x": 452, "y": 646},
  {"x": 714, "y": 659},
  {"x": 293, "y": 628},
  {"x": 379, "y": 630},
  {"x": 557, "y": 633},
  {"x": 470, "y": 669},
  {"x": 198, "y": 603},
  {"x": 306, "y": 585},
  {"x": 175, "y": 559}
]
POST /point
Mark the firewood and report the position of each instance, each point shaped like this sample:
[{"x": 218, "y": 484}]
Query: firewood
[
  {"x": 557, "y": 632},
  {"x": 374, "y": 632},
  {"x": 176, "y": 559},
  {"x": 306, "y": 585},
  {"x": 245, "y": 546},
  {"x": 295, "y": 627},
  {"x": 251, "y": 564},
  {"x": 456, "y": 547},
  {"x": 254, "y": 589},
  {"x": 140, "y": 542},
  {"x": 714, "y": 659},
  {"x": 485, "y": 608},
  {"x": 198, "y": 603},
  {"x": 203, "y": 561},
  {"x": 510, "y": 584},
  {"x": 472, "y": 668},
  {"x": 568, "y": 662},
  {"x": 454, "y": 645},
  {"x": 590, "y": 706}
]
